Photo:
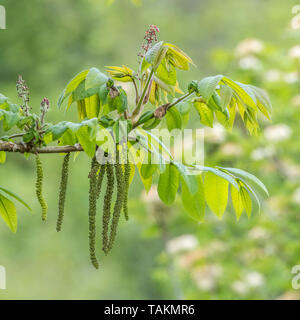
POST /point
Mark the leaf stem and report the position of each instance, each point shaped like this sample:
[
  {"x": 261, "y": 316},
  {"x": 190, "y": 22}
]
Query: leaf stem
[{"x": 139, "y": 105}]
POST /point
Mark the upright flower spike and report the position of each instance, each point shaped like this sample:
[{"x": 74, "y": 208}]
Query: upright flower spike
[
  {"x": 151, "y": 36},
  {"x": 39, "y": 187},
  {"x": 92, "y": 211},
  {"x": 45, "y": 105},
  {"x": 23, "y": 93},
  {"x": 62, "y": 191}
]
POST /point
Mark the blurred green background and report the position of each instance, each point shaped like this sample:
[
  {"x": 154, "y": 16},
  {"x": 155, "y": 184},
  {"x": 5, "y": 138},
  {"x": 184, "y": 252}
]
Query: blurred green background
[{"x": 160, "y": 253}]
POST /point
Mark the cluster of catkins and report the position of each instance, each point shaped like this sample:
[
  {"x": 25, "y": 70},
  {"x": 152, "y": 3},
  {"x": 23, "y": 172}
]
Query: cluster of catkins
[{"x": 115, "y": 172}]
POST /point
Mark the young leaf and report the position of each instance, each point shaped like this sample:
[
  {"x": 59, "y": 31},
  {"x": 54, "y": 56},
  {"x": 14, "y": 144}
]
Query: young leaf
[
  {"x": 205, "y": 113},
  {"x": 88, "y": 145},
  {"x": 216, "y": 193},
  {"x": 242, "y": 91},
  {"x": 153, "y": 53},
  {"x": 173, "y": 119},
  {"x": 168, "y": 184},
  {"x": 95, "y": 79},
  {"x": 207, "y": 86},
  {"x": 8, "y": 213}
]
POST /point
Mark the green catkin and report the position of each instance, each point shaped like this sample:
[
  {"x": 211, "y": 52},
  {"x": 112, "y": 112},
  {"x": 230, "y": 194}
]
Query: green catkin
[
  {"x": 100, "y": 179},
  {"x": 92, "y": 211},
  {"x": 127, "y": 170},
  {"x": 119, "y": 202},
  {"x": 62, "y": 191},
  {"x": 39, "y": 187},
  {"x": 107, "y": 205}
]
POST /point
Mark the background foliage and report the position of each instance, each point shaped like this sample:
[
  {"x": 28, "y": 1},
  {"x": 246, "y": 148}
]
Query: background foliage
[{"x": 48, "y": 42}]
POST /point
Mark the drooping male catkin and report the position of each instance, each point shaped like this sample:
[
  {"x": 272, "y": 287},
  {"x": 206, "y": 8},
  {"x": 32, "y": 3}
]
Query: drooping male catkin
[
  {"x": 119, "y": 202},
  {"x": 127, "y": 169},
  {"x": 62, "y": 191},
  {"x": 107, "y": 205},
  {"x": 100, "y": 179},
  {"x": 92, "y": 211},
  {"x": 39, "y": 187}
]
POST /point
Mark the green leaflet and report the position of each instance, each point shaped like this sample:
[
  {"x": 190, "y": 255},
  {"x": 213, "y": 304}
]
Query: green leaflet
[
  {"x": 95, "y": 78},
  {"x": 72, "y": 85},
  {"x": 219, "y": 173},
  {"x": 243, "y": 91},
  {"x": 88, "y": 145},
  {"x": 168, "y": 184},
  {"x": 184, "y": 109},
  {"x": 241, "y": 200},
  {"x": 225, "y": 96},
  {"x": 119, "y": 102},
  {"x": 207, "y": 86},
  {"x": 167, "y": 73},
  {"x": 16, "y": 197},
  {"x": 189, "y": 180},
  {"x": 194, "y": 204},
  {"x": 216, "y": 193},
  {"x": 236, "y": 202},
  {"x": 147, "y": 170},
  {"x": 173, "y": 119},
  {"x": 205, "y": 113},
  {"x": 147, "y": 182},
  {"x": 263, "y": 102},
  {"x": 153, "y": 53},
  {"x": 248, "y": 177},
  {"x": 8, "y": 213}
]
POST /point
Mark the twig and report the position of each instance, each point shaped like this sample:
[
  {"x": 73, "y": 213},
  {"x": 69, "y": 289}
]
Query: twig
[{"x": 22, "y": 148}]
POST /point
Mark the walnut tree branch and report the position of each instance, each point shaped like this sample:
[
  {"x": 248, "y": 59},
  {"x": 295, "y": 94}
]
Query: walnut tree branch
[{"x": 22, "y": 148}]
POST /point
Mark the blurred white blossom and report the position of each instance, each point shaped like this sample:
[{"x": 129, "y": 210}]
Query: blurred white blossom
[
  {"x": 272, "y": 75},
  {"x": 296, "y": 101},
  {"x": 182, "y": 243},
  {"x": 254, "y": 279},
  {"x": 291, "y": 77},
  {"x": 231, "y": 149},
  {"x": 240, "y": 287},
  {"x": 278, "y": 132},
  {"x": 206, "y": 277},
  {"x": 217, "y": 134},
  {"x": 249, "y": 46},
  {"x": 294, "y": 52},
  {"x": 249, "y": 63},
  {"x": 263, "y": 153},
  {"x": 259, "y": 233},
  {"x": 296, "y": 196},
  {"x": 150, "y": 197}
]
